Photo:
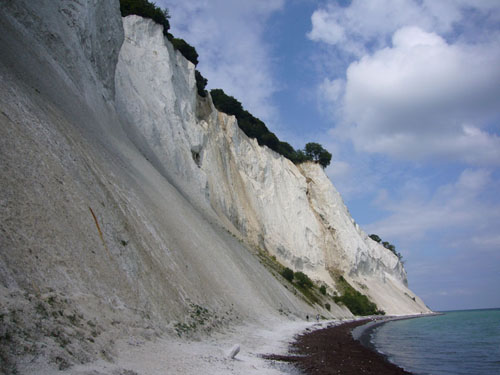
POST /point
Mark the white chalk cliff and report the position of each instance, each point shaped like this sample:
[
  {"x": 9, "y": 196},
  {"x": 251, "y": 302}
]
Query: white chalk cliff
[
  {"x": 131, "y": 206},
  {"x": 294, "y": 212}
]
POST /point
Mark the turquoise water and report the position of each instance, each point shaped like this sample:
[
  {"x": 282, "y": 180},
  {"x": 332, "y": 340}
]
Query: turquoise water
[{"x": 458, "y": 342}]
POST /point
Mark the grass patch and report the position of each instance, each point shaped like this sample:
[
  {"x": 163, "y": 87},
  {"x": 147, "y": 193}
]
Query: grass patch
[
  {"x": 308, "y": 293},
  {"x": 299, "y": 280},
  {"x": 356, "y": 302}
]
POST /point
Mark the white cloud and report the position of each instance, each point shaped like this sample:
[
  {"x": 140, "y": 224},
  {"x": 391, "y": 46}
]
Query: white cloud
[
  {"x": 350, "y": 28},
  {"x": 423, "y": 98},
  {"x": 326, "y": 28},
  {"x": 230, "y": 39},
  {"x": 409, "y": 92},
  {"x": 372, "y": 21}
]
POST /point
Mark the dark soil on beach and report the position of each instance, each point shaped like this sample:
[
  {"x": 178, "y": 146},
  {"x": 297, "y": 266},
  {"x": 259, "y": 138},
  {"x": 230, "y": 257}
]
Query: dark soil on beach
[{"x": 334, "y": 351}]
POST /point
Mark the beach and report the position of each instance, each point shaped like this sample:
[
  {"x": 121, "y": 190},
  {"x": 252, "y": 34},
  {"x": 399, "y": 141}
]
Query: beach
[
  {"x": 333, "y": 350},
  {"x": 269, "y": 348}
]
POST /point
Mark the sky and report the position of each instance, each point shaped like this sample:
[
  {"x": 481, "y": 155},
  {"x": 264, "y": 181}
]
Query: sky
[{"x": 406, "y": 96}]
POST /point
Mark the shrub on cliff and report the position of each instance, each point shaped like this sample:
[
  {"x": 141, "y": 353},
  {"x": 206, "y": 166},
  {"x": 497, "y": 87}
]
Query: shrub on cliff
[
  {"x": 251, "y": 125},
  {"x": 287, "y": 273},
  {"x": 316, "y": 152},
  {"x": 201, "y": 83},
  {"x": 285, "y": 149},
  {"x": 387, "y": 245},
  {"x": 146, "y": 9},
  {"x": 226, "y": 103},
  {"x": 356, "y": 302},
  {"x": 188, "y": 51},
  {"x": 255, "y": 128},
  {"x": 303, "y": 280}
]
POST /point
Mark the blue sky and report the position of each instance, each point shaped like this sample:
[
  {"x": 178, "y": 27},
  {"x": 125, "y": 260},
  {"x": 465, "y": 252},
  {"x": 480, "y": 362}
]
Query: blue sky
[{"x": 406, "y": 96}]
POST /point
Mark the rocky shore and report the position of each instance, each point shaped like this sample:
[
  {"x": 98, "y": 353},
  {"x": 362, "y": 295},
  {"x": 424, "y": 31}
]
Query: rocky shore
[{"x": 333, "y": 350}]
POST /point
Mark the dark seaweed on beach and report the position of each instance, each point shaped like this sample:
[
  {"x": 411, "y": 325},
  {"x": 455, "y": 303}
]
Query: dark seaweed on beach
[{"x": 333, "y": 350}]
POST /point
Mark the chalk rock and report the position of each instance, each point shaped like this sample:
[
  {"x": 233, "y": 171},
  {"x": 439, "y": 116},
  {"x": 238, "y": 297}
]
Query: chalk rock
[
  {"x": 292, "y": 211},
  {"x": 234, "y": 351}
]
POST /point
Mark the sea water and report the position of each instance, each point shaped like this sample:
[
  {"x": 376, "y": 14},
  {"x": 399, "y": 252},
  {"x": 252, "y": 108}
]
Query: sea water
[{"x": 457, "y": 342}]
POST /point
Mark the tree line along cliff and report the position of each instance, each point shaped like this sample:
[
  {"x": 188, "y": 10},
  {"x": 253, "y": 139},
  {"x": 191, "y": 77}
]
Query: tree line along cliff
[{"x": 251, "y": 125}]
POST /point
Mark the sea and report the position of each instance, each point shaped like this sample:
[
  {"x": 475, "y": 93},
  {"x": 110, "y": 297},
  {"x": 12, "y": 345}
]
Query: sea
[{"x": 465, "y": 342}]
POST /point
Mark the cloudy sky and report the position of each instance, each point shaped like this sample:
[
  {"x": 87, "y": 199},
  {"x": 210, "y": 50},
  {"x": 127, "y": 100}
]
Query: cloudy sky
[{"x": 406, "y": 96}]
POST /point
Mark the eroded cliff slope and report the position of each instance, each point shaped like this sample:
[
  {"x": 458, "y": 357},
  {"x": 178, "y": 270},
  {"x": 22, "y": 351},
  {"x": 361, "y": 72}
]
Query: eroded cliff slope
[
  {"x": 294, "y": 212},
  {"x": 131, "y": 207}
]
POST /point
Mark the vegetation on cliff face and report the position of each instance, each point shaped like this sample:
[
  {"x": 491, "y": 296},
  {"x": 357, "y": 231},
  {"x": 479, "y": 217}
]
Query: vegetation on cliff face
[
  {"x": 316, "y": 152},
  {"x": 356, "y": 302},
  {"x": 255, "y": 128},
  {"x": 287, "y": 273},
  {"x": 146, "y": 9},
  {"x": 187, "y": 50},
  {"x": 386, "y": 244},
  {"x": 201, "y": 83},
  {"x": 251, "y": 125}
]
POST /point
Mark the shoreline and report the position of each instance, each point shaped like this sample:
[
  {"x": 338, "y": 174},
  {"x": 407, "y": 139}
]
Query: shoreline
[
  {"x": 328, "y": 348},
  {"x": 333, "y": 350},
  {"x": 363, "y": 333},
  {"x": 342, "y": 347}
]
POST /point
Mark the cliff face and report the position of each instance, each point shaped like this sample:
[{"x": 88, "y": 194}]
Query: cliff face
[
  {"x": 130, "y": 206},
  {"x": 294, "y": 212}
]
